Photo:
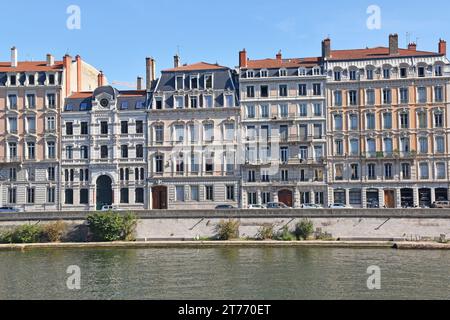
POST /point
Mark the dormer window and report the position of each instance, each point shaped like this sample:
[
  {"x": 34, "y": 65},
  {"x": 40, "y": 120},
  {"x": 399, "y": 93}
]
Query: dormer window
[
  {"x": 250, "y": 74},
  {"x": 140, "y": 105},
  {"x": 302, "y": 72},
  {"x": 179, "y": 83},
  {"x": 337, "y": 76},
  {"x": 83, "y": 106},
  {"x": 124, "y": 105},
  {"x": 421, "y": 72},
  {"x": 69, "y": 107},
  {"x": 208, "y": 81},
  {"x": 194, "y": 82},
  {"x": 283, "y": 73},
  {"x": 316, "y": 71},
  {"x": 158, "y": 103},
  {"x": 438, "y": 71},
  {"x": 31, "y": 80},
  {"x": 179, "y": 102},
  {"x": 51, "y": 79},
  {"x": 13, "y": 80},
  {"x": 264, "y": 73}
]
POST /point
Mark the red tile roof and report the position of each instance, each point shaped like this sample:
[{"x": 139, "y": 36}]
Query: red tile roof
[
  {"x": 80, "y": 95},
  {"x": 284, "y": 63},
  {"x": 375, "y": 53},
  {"x": 197, "y": 66},
  {"x": 129, "y": 93},
  {"x": 30, "y": 66}
]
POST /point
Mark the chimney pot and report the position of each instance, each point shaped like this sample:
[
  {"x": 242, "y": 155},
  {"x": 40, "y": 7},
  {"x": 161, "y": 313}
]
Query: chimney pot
[
  {"x": 279, "y": 56},
  {"x": 150, "y": 69},
  {"x": 442, "y": 47},
  {"x": 101, "y": 79},
  {"x": 14, "y": 58},
  {"x": 139, "y": 83},
  {"x": 176, "y": 61},
  {"x": 326, "y": 48},
  {"x": 412, "y": 46},
  {"x": 393, "y": 44},
  {"x": 50, "y": 60},
  {"x": 243, "y": 59}
]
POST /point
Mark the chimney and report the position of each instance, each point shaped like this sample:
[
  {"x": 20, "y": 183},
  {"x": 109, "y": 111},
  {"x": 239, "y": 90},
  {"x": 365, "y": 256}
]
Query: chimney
[
  {"x": 176, "y": 61},
  {"x": 326, "y": 48},
  {"x": 67, "y": 63},
  {"x": 279, "y": 56},
  {"x": 150, "y": 71},
  {"x": 50, "y": 60},
  {"x": 243, "y": 59},
  {"x": 442, "y": 47},
  {"x": 139, "y": 83},
  {"x": 79, "y": 74},
  {"x": 412, "y": 46},
  {"x": 101, "y": 79},
  {"x": 14, "y": 57},
  {"x": 393, "y": 44}
]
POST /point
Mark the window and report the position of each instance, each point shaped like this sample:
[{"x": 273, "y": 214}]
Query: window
[
  {"x": 353, "y": 75},
  {"x": 209, "y": 164},
  {"x": 284, "y": 110},
  {"x": 209, "y": 132},
  {"x": 438, "y": 120},
  {"x": 371, "y": 171},
  {"x": 388, "y": 146},
  {"x": 51, "y": 100},
  {"x": 124, "y": 195},
  {"x": 209, "y": 101},
  {"x": 369, "y": 74},
  {"x": 302, "y": 90},
  {"x": 69, "y": 128},
  {"x": 51, "y": 195},
  {"x": 284, "y": 175},
  {"x": 104, "y": 127},
  {"x": 31, "y": 80},
  {"x": 370, "y": 118},
  {"x": 12, "y": 147},
  {"x": 84, "y": 106},
  {"x": 12, "y": 124},
  {"x": 13, "y": 80},
  {"x": 283, "y": 90},
  {"x": 158, "y": 103},
  {"x": 84, "y": 196},
  {"x": 337, "y": 76},
  {"x": 209, "y": 192},
  {"x": 68, "y": 196},
  {"x": 230, "y": 193},
  {"x": 208, "y": 81},
  {"x": 355, "y": 196},
  {"x": 195, "y": 193},
  {"x": 317, "y": 107},
  {"x": 31, "y": 150},
  {"x": 31, "y": 101},
  {"x": 69, "y": 107},
  {"x": 194, "y": 102},
  {"x": 339, "y": 172},
  {"x": 386, "y": 73},
  {"x": 84, "y": 130},
  {"x": 404, "y": 144},
  {"x": 440, "y": 171},
  {"x": 179, "y": 83},
  {"x": 438, "y": 71},
  {"x": 69, "y": 152},
  {"x": 303, "y": 110},
  {"x": 387, "y": 96},
  {"x": 51, "y": 124},
  {"x": 139, "y": 127},
  {"x": 403, "y": 72},
  {"x": 438, "y": 94},
  {"x": 250, "y": 74},
  {"x": 159, "y": 164},
  {"x": 139, "y": 195},
  {"x": 265, "y": 197},
  {"x": 104, "y": 152},
  {"x": 421, "y": 72},
  {"x": 338, "y": 98},
  {"x": 250, "y": 91},
  {"x": 179, "y": 102},
  {"x": 424, "y": 172},
  {"x": 422, "y": 117},
  {"x": 387, "y": 120},
  {"x": 51, "y": 150},
  {"x": 303, "y": 154},
  {"x": 283, "y": 72},
  {"x": 264, "y": 73},
  {"x": 12, "y": 99},
  {"x": 371, "y": 146},
  {"x": 353, "y": 121},
  {"x": 229, "y": 132},
  {"x": 12, "y": 174},
  {"x": 404, "y": 95},
  {"x": 406, "y": 171},
  {"x": 355, "y": 171},
  {"x": 339, "y": 147},
  {"x": 388, "y": 174},
  {"x": 353, "y": 97},
  {"x": 370, "y": 96},
  {"x": 84, "y": 175},
  {"x": 51, "y": 174},
  {"x": 124, "y": 127},
  {"x": 124, "y": 151},
  {"x": 265, "y": 111},
  {"x": 264, "y": 91},
  {"x": 317, "y": 89},
  {"x": 194, "y": 82},
  {"x": 422, "y": 93},
  {"x": 317, "y": 131},
  {"x": 252, "y": 198},
  {"x": 159, "y": 134},
  {"x": 251, "y": 112},
  {"x": 404, "y": 120},
  {"x": 338, "y": 122},
  {"x": 251, "y": 176},
  {"x": 179, "y": 193},
  {"x": 12, "y": 195},
  {"x": 440, "y": 145},
  {"x": 354, "y": 147},
  {"x": 139, "y": 151}
]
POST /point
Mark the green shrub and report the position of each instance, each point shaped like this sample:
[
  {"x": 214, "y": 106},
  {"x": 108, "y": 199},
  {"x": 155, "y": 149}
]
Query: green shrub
[
  {"x": 285, "y": 235},
  {"x": 266, "y": 232},
  {"x": 227, "y": 230},
  {"x": 6, "y": 237},
  {"x": 323, "y": 236},
  {"x": 24, "y": 234},
  {"x": 304, "y": 229},
  {"x": 109, "y": 226},
  {"x": 54, "y": 232}
]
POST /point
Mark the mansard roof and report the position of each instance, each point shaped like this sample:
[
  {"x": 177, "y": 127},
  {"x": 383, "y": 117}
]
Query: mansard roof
[
  {"x": 283, "y": 63},
  {"x": 199, "y": 66},
  {"x": 377, "y": 53}
]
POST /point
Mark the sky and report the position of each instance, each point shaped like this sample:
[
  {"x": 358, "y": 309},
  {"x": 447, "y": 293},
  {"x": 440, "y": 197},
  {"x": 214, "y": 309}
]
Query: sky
[{"x": 115, "y": 35}]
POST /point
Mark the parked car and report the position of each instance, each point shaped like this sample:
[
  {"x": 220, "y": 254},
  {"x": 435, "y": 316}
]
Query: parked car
[
  {"x": 111, "y": 208},
  {"x": 225, "y": 207},
  {"x": 277, "y": 205},
  {"x": 9, "y": 210},
  {"x": 339, "y": 206},
  {"x": 310, "y": 206},
  {"x": 441, "y": 205},
  {"x": 257, "y": 207},
  {"x": 373, "y": 204}
]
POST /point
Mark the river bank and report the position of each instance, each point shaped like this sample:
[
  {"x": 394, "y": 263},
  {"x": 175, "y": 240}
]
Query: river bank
[{"x": 403, "y": 245}]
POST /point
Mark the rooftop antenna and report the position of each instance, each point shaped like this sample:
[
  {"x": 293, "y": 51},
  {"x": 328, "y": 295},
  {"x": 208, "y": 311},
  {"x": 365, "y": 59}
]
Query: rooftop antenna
[
  {"x": 417, "y": 41},
  {"x": 408, "y": 39}
]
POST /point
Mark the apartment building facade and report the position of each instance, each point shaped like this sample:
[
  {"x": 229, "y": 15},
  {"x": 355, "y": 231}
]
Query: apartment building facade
[
  {"x": 193, "y": 137},
  {"x": 283, "y": 112},
  {"x": 104, "y": 138},
  {"x": 388, "y": 125},
  {"x": 31, "y": 95}
]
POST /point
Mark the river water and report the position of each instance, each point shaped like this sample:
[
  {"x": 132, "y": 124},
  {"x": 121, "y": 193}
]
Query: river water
[{"x": 225, "y": 273}]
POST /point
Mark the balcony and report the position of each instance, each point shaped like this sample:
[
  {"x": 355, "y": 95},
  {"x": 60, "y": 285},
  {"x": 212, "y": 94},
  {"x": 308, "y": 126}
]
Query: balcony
[{"x": 11, "y": 160}]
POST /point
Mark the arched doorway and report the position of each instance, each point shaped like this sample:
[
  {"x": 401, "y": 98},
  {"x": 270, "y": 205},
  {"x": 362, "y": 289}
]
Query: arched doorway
[
  {"x": 286, "y": 197},
  {"x": 159, "y": 197},
  {"x": 104, "y": 192}
]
